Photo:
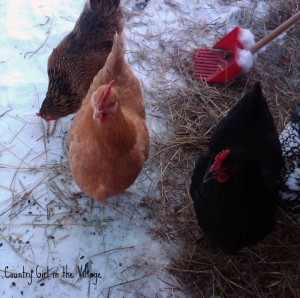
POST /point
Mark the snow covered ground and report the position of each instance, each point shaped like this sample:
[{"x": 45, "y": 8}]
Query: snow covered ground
[{"x": 51, "y": 243}]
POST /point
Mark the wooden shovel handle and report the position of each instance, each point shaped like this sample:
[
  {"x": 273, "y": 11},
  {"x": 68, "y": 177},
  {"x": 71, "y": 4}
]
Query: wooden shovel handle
[{"x": 287, "y": 24}]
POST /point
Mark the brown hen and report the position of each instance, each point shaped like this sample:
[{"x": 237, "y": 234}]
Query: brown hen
[
  {"x": 79, "y": 56},
  {"x": 108, "y": 138}
]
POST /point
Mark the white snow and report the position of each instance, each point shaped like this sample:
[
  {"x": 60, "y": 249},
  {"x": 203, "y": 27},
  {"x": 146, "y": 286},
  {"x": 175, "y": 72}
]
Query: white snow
[
  {"x": 245, "y": 59},
  {"x": 246, "y": 37},
  {"x": 45, "y": 224}
]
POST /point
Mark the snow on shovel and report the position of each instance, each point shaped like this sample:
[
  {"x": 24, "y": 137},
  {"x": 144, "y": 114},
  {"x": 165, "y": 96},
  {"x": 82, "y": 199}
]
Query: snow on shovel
[{"x": 232, "y": 55}]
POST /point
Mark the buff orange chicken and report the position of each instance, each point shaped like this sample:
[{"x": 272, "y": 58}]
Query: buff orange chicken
[{"x": 108, "y": 138}]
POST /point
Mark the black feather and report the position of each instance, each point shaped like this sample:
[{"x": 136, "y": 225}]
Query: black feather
[{"x": 241, "y": 211}]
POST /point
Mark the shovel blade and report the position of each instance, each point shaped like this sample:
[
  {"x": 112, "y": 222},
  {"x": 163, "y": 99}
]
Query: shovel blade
[{"x": 219, "y": 64}]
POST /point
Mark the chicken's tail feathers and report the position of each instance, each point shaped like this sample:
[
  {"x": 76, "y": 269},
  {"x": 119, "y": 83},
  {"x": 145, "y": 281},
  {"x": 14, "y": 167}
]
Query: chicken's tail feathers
[
  {"x": 118, "y": 47},
  {"x": 103, "y": 5},
  {"x": 256, "y": 95},
  {"x": 255, "y": 105},
  {"x": 257, "y": 89},
  {"x": 107, "y": 13},
  {"x": 114, "y": 65},
  {"x": 115, "y": 60}
]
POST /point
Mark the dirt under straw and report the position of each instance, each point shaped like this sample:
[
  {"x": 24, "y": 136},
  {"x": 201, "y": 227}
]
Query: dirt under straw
[{"x": 271, "y": 268}]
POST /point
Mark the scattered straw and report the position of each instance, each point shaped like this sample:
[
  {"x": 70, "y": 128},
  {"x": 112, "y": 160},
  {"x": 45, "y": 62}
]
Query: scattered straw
[{"x": 271, "y": 268}]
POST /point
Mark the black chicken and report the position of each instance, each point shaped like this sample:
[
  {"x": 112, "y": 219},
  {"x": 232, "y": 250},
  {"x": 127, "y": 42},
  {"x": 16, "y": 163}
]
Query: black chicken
[
  {"x": 290, "y": 144},
  {"x": 235, "y": 185},
  {"x": 79, "y": 56}
]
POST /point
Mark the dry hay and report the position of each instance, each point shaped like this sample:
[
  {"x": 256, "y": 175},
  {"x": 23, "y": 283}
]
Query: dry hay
[{"x": 271, "y": 268}]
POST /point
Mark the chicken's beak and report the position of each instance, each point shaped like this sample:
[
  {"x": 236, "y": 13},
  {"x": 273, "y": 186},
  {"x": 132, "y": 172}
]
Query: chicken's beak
[
  {"x": 209, "y": 175},
  {"x": 46, "y": 117},
  {"x": 98, "y": 114},
  {"x": 101, "y": 113}
]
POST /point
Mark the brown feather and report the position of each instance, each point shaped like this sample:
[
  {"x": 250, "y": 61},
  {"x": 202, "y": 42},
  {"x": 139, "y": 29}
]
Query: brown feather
[{"x": 79, "y": 56}]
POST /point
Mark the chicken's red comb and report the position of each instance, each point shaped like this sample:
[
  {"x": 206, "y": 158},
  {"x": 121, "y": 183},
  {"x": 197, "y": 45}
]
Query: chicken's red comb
[
  {"x": 218, "y": 160},
  {"x": 106, "y": 93}
]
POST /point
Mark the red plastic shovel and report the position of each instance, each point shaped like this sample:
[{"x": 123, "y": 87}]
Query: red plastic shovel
[{"x": 220, "y": 63}]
